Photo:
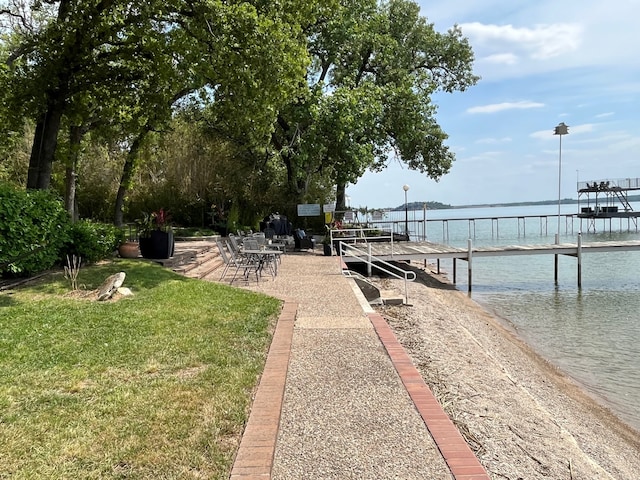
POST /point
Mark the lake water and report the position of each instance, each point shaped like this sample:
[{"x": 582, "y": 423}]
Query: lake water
[{"x": 593, "y": 333}]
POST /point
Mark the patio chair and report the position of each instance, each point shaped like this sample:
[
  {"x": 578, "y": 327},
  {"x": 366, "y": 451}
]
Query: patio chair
[
  {"x": 237, "y": 261},
  {"x": 261, "y": 238},
  {"x": 233, "y": 241},
  {"x": 250, "y": 243}
]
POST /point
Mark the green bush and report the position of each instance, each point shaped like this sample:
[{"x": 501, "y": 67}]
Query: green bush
[
  {"x": 33, "y": 228},
  {"x": 92, "y": 241}
]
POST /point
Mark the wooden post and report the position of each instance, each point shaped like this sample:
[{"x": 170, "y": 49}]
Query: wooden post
[
  {"x": 438, "y": 264},
  {"x": 469, "y": 257},
  {"x": 579, "y": 260},
  {"x": 454, "y": 271}
]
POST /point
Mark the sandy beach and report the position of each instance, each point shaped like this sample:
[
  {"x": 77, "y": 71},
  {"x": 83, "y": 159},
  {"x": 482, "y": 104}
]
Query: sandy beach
[{"x": 523, "y": 417}]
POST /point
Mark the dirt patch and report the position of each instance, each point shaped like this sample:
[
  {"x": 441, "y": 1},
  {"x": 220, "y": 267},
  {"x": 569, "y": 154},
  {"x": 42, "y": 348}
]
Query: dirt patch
[
  {"x": 82, "y": 294},
  {"x": 521, "y": 415}
]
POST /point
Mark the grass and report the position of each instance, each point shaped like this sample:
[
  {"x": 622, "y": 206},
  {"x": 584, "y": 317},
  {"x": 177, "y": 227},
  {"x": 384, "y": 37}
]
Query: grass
[{"x": 152, "y": 386}]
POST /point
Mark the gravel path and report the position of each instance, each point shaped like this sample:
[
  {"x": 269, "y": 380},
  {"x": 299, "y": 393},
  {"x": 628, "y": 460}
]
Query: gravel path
[{"x": 345, "y": 412}]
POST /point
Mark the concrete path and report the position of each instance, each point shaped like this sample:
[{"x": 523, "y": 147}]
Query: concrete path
[{"x": 339, "y": 397}]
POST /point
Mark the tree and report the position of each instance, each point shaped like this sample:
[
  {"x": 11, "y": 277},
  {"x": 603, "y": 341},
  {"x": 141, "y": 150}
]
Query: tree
[
  {"x": 83, "y": 59},
  {"x": 374, "y": 68}
]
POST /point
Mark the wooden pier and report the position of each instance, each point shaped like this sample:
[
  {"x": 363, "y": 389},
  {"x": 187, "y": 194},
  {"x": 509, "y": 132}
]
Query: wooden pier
[{"x": 422, "y": 251}]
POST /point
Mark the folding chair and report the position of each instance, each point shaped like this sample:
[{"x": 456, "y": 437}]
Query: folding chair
[
  {"x": 237, "y": 261},
  {"x": 234, "y": 243}
]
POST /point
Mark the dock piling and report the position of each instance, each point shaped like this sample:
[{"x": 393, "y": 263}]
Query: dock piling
[
  {"x": 469, "y": 257},
  {"x": 579, "y": 256}
]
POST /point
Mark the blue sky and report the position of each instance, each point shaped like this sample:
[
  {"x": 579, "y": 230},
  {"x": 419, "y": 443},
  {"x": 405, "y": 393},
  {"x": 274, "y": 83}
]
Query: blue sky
[{"x": 541, "y": 62}]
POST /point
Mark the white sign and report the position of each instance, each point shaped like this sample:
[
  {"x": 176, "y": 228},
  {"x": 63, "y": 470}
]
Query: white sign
[
  {"x": 328, "y": 207},
  {"x": 308, "y": 209}
]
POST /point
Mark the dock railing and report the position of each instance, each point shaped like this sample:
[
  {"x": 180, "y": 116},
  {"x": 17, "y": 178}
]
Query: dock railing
[
  {"x": 359, "y": 234},
  {"x": 365, "y": 256}
]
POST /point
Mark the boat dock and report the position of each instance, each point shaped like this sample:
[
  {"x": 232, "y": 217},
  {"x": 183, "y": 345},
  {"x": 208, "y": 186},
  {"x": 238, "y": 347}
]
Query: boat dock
[{"x": 423, "y": 251}]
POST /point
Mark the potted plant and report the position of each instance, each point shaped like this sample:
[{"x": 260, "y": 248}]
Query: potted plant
[
  {"x": 128, "y": 244},
  {"x": 129, "y": 249},
  {"x": 155, "y": 235}
]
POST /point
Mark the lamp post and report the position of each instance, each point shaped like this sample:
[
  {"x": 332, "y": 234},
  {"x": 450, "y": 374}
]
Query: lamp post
[
  {"x": 560, "y": 130},
  {"x": 405, "y": 187}
]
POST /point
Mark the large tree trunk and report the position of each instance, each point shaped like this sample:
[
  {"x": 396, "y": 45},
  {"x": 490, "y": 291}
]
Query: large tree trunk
[
  {"x": 70, "y": 192},
  {"x": 127, "y": 177},
  {"x": 75, "y": 139},
  {"x": 341, "y": 204},
  {"x": 43, "y": 149}
]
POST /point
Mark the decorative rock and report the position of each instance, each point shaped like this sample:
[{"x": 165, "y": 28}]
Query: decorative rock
[
  {"x": 110, "y": 286},
  {"x": 125, "y": 292}
]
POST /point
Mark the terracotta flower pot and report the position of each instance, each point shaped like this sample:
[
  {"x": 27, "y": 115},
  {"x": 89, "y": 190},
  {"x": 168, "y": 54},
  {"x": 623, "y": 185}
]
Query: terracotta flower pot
[{"x": 129, "y": 250}]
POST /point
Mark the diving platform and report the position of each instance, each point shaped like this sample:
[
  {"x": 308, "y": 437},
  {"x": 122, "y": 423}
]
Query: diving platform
[{"x": 606, "y": 199}]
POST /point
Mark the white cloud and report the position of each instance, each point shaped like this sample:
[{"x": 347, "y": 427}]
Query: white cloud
[
  {"x": 569, "y": 62},
  {"x": 499, "y": 107},
  {"x": 494, "y": 141},
  {"x": 502, "y": 58},
  {"x": 539, "y": 42}
]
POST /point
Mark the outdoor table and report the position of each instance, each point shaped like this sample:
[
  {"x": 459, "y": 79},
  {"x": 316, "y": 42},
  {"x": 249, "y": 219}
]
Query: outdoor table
[{"x": 264, "y": 256}]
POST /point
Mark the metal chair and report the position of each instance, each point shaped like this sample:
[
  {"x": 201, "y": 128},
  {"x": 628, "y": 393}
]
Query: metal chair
[{"x": 237, "y": 261}]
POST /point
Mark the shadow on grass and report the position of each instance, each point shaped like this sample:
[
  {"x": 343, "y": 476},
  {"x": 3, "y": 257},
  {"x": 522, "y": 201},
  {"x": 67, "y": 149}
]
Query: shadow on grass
[
  {"x": 6, "y": 300},
  {"x": 140, "y": 275}
]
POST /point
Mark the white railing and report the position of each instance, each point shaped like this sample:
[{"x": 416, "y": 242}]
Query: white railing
[
  {"x": 369, "y": 259},
  {"x": 355, "y": 234}
]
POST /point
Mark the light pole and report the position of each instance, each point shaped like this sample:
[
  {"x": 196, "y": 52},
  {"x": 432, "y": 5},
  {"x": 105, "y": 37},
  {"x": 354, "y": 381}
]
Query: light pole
[
  {"x": 405, "y": 187},
  {"x": 560, "y": 130}
]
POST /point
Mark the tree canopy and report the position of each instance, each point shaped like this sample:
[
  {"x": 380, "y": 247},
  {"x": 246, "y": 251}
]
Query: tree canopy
[
  {"x": 303, "y": 96},
  {"x": 368, "y": 99}
]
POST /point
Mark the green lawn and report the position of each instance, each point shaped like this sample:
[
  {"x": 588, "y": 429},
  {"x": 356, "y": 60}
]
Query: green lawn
[{"x": 152, "y": 386}]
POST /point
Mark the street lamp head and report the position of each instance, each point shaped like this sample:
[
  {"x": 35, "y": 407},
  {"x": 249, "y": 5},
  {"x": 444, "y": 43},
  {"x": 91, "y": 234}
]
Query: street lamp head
[
  {"x": 405, "y": 187},
  {"x": 561, "y": 129}
]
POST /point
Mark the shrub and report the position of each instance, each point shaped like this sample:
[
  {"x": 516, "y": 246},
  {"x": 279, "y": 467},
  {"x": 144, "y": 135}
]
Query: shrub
[
  {"x": 92, "y": 241},
  {"x": 33, "y": 227}
]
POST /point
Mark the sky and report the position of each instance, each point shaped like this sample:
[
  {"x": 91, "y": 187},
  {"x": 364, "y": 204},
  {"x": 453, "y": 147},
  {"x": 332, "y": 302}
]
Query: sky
[{"x": 541, "y": 62}]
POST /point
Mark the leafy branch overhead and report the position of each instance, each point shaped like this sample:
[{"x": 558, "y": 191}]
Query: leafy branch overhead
[
  {"x": 299, "y": 97},
  {"x": 368, "y": 99}
]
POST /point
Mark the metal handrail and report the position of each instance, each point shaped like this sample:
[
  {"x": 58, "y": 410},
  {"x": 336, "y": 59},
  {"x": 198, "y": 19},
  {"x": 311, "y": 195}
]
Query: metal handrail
[
  {"x": 406, "y": 275},
  {"x": 337, "y": 234}
]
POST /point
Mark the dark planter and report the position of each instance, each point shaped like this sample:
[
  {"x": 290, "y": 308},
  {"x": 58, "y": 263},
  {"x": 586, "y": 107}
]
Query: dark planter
[
  {"x": 159, "y": 245},
  {"x": 327, "y": 249}
]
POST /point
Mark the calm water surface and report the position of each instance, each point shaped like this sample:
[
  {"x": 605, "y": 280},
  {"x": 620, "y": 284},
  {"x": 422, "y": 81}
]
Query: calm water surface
[{"x": 593, "y": 334}]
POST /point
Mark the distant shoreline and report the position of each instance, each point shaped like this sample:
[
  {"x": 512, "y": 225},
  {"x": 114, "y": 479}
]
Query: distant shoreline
[{"x": 442, "y": 206}]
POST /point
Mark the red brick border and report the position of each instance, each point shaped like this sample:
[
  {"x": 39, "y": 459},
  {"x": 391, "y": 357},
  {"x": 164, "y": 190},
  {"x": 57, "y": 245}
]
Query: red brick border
[
  {"x": 460, "y": 459},
  {"x": 254, "y": 459}
]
